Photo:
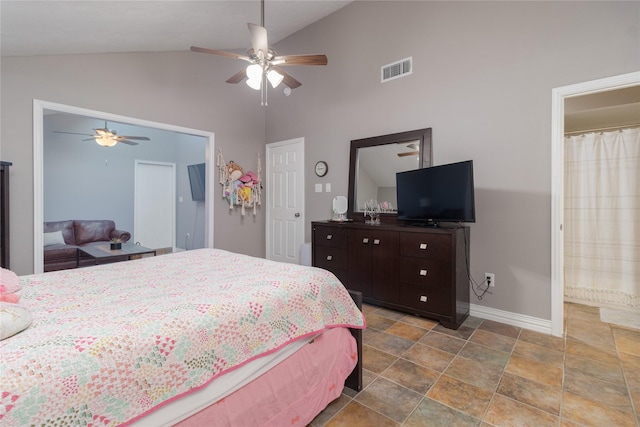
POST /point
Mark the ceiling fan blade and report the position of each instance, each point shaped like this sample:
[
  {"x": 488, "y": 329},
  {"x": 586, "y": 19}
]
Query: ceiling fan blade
[
  {"x": 220, "y": 53},
  {"x": 139, "y": 138},
  {"x": 238, "y": 77},
  {"x": 287, "y": 79},
  {"x": 300, "y": 60},
  {"x": 91, "y": 139},
  {"x": 408, "y": 153},
  {"x": 124, "y": 141},
  {"x": 72, "y": 133},
  {"x": 259, "y": 39}
]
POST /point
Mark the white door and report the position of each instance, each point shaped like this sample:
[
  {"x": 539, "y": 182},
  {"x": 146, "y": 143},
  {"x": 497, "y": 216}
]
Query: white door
[
  {"x": 285, "y": 200},
  {"x": 154, "y": 209}
]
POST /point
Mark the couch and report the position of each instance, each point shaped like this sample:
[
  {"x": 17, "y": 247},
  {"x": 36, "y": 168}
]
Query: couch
[{"x": 63, "y": 238}]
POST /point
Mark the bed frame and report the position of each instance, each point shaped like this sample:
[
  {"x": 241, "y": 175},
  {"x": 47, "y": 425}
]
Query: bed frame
[{"x": 354, "y": 380}]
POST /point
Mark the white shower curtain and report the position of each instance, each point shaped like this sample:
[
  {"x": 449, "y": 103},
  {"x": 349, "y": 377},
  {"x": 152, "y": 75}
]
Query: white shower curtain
[{"x": 602, "y": 217}]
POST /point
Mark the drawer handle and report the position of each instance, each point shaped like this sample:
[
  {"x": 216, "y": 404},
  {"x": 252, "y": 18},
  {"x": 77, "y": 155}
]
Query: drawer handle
[
  {"x": 329, "y": 236},
  {"x": 376, "y": 241},
  {"x": 423, "y": 272},
  {"x": 365, "y": 240},
  {"x": 329, "y": 257},
  {"x": 423, "y": 246}
]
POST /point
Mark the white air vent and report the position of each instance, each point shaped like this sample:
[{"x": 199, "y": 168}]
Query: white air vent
[{"x": 396, "y": 70}]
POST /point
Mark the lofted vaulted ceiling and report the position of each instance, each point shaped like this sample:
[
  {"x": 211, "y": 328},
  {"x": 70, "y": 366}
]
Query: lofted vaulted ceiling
[{"x": 53, "y": 27}]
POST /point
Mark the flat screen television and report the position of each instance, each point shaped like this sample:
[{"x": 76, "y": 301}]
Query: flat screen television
[
  {"x": 197, "y": 174},
  {"x": 443, "y": 193}
]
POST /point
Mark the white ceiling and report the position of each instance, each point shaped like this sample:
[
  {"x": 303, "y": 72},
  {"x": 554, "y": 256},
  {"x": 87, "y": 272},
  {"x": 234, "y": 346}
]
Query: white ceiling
[{"x": 53, "y": 27}]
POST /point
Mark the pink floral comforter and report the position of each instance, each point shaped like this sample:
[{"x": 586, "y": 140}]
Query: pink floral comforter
[{"x": 109, "y": 344}]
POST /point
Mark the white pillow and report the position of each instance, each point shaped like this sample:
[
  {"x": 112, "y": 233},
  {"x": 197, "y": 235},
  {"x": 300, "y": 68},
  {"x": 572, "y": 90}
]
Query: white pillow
[
  {"x": 53, "y": 238},
  {"x": 14, "y": 318}
]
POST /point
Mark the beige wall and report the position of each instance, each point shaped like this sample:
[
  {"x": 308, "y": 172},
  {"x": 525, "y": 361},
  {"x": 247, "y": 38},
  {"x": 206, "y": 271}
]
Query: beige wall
[
  {"x": 178, "y": 88},
  {"x": 482, "y": 79}
]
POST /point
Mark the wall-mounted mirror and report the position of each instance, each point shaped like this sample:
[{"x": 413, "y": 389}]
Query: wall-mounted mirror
[{"x": 374, "y": 162}]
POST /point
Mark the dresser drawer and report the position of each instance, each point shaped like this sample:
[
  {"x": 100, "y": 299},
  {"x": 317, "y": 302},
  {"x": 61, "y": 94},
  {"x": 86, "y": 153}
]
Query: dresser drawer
[
  {"x": 424, "y": 245},
  {"x": 330, "y": 236},
  {"x": 426, "y": 298},
  {"x": 425, "y": 272},
  {"x": 330, "y": 258}
]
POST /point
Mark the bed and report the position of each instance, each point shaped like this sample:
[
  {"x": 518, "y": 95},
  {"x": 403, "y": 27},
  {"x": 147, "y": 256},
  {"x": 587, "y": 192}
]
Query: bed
[{"x": 180, "y": 339}]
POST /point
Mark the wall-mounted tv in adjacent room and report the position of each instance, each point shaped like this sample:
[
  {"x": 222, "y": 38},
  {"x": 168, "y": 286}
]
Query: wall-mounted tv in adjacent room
[
  {"x": 197, "y": 174},
  {"x": 443, "y": 193}
]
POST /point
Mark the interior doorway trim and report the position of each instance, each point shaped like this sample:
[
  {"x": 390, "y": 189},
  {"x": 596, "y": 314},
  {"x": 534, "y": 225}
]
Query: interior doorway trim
[
  {"x": 38, "y": 163},
  {"x": 559, "y": 94}
]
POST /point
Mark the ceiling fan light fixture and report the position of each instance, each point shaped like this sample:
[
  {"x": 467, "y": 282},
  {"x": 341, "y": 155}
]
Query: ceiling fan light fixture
[
  {"x": 254, "y": 76},
  {"x": 105, "y": 141},
  {"x": 254, "y": 71},
  {"x": 254, "y": 83},
  {"x": 275, "y": 78}
]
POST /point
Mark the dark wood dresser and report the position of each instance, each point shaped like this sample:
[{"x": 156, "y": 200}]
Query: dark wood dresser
[
  {"x": 417, "y": 270},
  {"x": 4, "y": 214}
]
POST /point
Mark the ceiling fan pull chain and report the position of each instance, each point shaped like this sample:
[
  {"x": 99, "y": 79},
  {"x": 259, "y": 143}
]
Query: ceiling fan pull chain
[{"x": 264, "y": 90}]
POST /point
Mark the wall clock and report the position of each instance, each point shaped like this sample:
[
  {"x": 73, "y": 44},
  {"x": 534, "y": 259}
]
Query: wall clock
[{"x": 321, "y": 168}]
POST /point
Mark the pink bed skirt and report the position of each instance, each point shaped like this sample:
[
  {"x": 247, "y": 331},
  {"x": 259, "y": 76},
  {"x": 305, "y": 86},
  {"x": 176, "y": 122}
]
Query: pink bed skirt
[{"x": 293, "y": 392}]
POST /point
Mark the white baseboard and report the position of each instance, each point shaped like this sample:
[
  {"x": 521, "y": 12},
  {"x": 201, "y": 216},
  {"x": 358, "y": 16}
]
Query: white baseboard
[{"x": 509, "y": 318}]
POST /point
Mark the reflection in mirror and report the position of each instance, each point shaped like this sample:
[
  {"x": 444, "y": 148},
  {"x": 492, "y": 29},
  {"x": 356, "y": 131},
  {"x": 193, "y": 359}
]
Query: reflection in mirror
[
  {"x": 374, "y": 163},
  {"x": 377, "y": 167}
]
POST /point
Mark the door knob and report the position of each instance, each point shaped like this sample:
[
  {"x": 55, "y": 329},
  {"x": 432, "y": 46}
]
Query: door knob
[{"x": 297, "y": 215}]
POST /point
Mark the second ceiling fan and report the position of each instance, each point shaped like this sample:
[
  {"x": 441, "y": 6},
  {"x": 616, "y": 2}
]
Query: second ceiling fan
[
  {"x": 108, "y": 137},
  {"x": 265, "y": 65}
]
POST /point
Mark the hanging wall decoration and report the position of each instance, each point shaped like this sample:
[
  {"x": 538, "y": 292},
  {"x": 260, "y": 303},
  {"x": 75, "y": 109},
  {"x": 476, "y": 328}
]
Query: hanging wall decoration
[{"x": 238, "y": 187}]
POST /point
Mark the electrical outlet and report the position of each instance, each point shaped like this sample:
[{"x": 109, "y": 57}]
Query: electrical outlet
[{"x": 490, "y": 279}]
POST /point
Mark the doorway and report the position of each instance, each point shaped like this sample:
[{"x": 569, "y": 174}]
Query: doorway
[
  {"x": 557, "y": 181},
  {"x": 41, "y": 107},
  {"x": 285, "y": 200}
]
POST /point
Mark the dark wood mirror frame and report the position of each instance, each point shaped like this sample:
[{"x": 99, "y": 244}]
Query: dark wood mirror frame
[{"x": 426, "y": 152}]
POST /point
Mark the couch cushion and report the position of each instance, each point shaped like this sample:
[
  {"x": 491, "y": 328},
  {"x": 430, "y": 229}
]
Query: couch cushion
[
  {"x": 65, "y": 226},
  {"x": 53, "y": 238},
  {"x": 60, "y": 252},
  {"x": 92, "y": 231}
]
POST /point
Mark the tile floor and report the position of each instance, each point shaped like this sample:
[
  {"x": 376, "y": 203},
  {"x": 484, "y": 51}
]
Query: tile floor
[{"x": 418, "y": 373}]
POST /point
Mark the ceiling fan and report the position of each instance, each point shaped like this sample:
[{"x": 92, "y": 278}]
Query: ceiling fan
[
  {"x": 108, "y": 137},
  {"x": 412, "y": 146},
  {"x": 264, "y": 64}
]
